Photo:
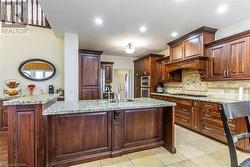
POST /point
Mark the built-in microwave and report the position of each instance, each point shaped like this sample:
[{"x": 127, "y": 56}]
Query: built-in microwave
[{"x": 145, "y": 81}]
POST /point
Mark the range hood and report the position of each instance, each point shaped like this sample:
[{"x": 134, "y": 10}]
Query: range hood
[{"x": 196, "y": 63}]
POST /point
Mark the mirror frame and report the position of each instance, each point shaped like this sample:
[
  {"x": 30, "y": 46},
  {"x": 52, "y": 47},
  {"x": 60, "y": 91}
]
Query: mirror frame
[{"x": 30, "y": 60}]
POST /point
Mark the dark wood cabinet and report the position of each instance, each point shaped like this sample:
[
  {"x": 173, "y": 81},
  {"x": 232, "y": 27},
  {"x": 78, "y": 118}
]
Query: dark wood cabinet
[
  {"x": 229, "y": 58},
  {"x": 163, "y": 70},
  {"x": 195, "y": 115},
  {"x": 191, "y": 45},
  {"x": 238, "y": 58},
  {"x": 204, "y": 118},
  {"x": 217, "y": 60},
  {"x": 136, "y": 126},
  {"x": 177, "y": 52},
  {"x": 189, "y": 52},
  {"x": 108, "y": 68},
  {"x": 146, "y": 65},
  {"x": 89, "y": 135},
  {"x": 89, "y": 74},
  {"x": 137, "y": 79},
  {"x": 3, "y": 117},
  {"x": 99, "y": 135}
]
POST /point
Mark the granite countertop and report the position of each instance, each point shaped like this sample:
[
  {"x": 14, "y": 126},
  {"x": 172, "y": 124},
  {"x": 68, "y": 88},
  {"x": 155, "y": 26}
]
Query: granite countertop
[
  {"x": 64, "y": 107},
  {"x": 4, "y": 98},
  {"x": 205, "y": 99},
  {"x": 38, "y": 99}
]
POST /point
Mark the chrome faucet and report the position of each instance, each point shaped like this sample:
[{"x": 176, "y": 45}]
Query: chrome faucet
[{"x": 118, "y": 94}]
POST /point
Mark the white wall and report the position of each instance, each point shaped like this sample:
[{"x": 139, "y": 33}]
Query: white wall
[
  {"x": 37, "y": 43},
  {"x": 238, "y": 27},
  {"x": 71, "y": 72},
  {"x": 122, "y": 63}
]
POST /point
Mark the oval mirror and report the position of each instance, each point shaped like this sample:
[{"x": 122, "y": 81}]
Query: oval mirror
[{"x": 37, "y": 69}]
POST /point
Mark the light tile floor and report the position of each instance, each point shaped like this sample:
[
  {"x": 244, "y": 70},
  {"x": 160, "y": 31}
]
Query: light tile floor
[{"x": 193, "y": 150}]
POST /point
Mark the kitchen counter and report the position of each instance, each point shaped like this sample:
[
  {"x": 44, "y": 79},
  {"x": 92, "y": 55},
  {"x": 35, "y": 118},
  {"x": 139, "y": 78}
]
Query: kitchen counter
[
  {"x": 83, "y": 131},
  {"x": 84, "y": 106},
  {"x": 2, "y": 98},
  {"x": 28, "y": 100},
  {"x": 205, "y": 99}
]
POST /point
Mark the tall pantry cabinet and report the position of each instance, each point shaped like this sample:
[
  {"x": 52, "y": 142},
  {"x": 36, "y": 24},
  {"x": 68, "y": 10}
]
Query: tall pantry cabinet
[{"x": 89, "y": 74}]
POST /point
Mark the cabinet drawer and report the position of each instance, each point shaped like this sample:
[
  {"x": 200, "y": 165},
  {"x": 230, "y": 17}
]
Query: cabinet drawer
[
  {"x": 183, "y": 110},
  {"x": 210, "y": 111},
  {"x": 184, "y": 102},
  {"x": 182, "y": 120},
  {"x": 219, "y": 124},
  {"x": 213, "y": 130}
]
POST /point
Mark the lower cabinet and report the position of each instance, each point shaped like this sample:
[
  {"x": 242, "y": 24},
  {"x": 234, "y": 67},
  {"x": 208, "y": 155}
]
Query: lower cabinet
[
  {"x": 204, "y": 118},
  {"x": 137, "y": 127},
  {"x": 78, "y": 135},
  {"x": 77, "y": 138},
  {"x": 3, "y": 118}
]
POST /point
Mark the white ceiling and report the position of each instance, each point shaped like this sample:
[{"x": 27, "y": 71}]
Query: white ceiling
[{"x": 122, "y": 19}]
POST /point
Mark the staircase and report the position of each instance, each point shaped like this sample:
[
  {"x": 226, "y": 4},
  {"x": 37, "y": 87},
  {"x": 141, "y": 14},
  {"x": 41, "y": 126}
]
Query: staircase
[{"x": 26, "y": 12}]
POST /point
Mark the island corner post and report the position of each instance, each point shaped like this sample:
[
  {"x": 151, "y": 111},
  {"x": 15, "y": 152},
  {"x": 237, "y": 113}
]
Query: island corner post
[{"x": 57, "y": 140}]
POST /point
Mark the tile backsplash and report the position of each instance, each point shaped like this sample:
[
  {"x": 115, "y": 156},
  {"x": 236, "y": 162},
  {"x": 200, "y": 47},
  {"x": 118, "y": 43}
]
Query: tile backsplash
[{"x": 191, "y": 83}]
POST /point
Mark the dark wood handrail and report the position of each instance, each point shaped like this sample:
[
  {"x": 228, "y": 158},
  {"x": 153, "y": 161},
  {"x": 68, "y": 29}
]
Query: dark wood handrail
[{"x": 26, "y": 12}]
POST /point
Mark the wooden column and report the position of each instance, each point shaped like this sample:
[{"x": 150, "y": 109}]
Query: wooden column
[
  {"x": 27, "y": 133},
  {"x": 168, "y": 129}
]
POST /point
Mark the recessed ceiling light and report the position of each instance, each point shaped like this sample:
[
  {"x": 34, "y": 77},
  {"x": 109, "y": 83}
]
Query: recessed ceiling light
[
  {"x": 222, "y": 9},
  {"x": 174, "y": 34},
  {"x": 98, "y": 21},
  {"x": 143, "y": 29}
]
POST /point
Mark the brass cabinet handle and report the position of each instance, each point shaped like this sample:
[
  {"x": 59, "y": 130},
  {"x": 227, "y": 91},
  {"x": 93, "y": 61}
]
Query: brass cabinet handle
[
  {"x": 184, "y": 120},
  {"x": 228, "y": 73},
  {"x": 207, "y": 128},
  {"x": 207, "y": 115},
  {"x": 225, "y": 73}
]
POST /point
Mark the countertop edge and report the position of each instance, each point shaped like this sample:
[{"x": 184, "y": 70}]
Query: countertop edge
[
  {"x": 30, "y": 100},
  {"x": 206, "y": 99}
]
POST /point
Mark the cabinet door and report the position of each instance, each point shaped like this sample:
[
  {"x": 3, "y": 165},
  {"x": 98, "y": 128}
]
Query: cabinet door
[
  {"x": 137, "y": 83},
  {"x": 217, "y": 61},
  {"x": 89, "y": 93},
  {"x": 3, "y": 119},
  {"x": 89, "y": 70},
  {"x": 192, "y": 46},
  {"x": 79, "y": 135},
  {"x": 141, "y": 67},
  {"x": 146, "y": 63},
  {"x": 108, "y": 73},
  {"x": 238, "y": 58},
  {"x": 142, "y": 125},
  {"x": 161, "y": 70},
  {"x": 177, "y": 52}
]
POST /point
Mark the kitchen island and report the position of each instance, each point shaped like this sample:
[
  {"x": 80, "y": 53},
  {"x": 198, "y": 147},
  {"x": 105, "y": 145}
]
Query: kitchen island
[{"x": 68, "y": 133}]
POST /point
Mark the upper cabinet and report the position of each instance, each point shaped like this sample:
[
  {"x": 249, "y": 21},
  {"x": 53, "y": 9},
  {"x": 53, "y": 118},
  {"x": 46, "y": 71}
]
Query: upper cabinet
[
  {"x": 108, "y": 68},
  {"x": 229, "y": 58},
  {"x": 191, "y": 45},
  {"x": 146, "y": 65},
  {"x": 89, "y": 74},
  {"x": 177, "y": 52}
]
